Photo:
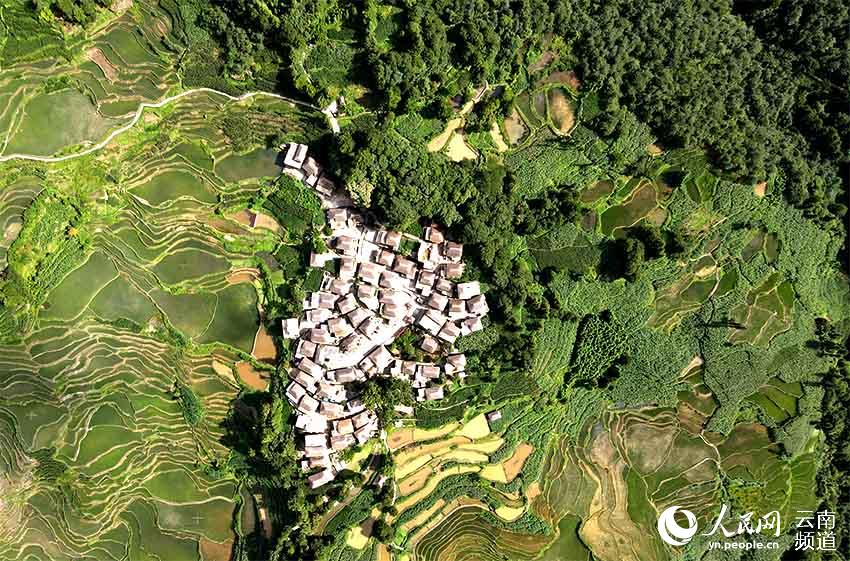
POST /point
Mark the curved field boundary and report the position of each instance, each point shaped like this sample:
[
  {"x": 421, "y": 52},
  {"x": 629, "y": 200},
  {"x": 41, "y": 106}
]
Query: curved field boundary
[{"x": 102, "y": 144}]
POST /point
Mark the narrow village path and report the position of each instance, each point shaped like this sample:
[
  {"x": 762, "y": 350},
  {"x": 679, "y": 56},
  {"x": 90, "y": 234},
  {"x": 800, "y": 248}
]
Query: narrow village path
[{"x": 100, "y": 145}]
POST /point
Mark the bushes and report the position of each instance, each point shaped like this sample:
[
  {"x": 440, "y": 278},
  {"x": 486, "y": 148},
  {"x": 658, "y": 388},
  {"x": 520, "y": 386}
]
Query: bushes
[
  {"x": 383, "y": 394},
  {"x": 51, "y": 243},
  {"x": 601, "y": 346},
  {"x": 452, "y": 408},
  {"x": 83, "y": 12},
  {"x": 190, "y": 403},
  {"x": 354, "y": 513},
  {"x": 294, "y": 206}
]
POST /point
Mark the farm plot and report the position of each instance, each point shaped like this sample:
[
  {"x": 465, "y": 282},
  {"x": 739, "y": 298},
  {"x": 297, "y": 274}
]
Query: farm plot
[
  {"x": 100, "y": 460},
  {"x": 778, "y": 399},
  {"x": 607, "y": 489},
  {"x": 124, "y": 63},
  {"x": 423, "y": 459},
  {"x": 768, "y": 311},
  {"x": 703, "y": 279},
  {"x": 761, "y": 243},
  {"x": 87, "y": 440},
  {"x": 641, "y": 198},
  {"x": 37, "y": 134},
  {"x": 466, "y": 535},
  {"x": 486, "y": 467},
  {"x": 566, "y": 248},
  {"x": 561, "y": 110},
  {"x": 553, "y": 346}
]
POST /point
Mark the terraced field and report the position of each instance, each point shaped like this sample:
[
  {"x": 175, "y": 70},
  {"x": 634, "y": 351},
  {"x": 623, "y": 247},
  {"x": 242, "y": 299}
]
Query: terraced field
[
  {"x": 139, "y": 295},
  {"x": 603, "y": 491},
  {"x": 126, "y": 61}
]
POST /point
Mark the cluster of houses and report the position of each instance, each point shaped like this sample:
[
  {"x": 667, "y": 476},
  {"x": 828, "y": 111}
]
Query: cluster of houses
[{"x": 343, "y": 335}]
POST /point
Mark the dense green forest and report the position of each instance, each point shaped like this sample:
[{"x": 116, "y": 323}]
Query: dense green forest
[{"x": 736, "y": 78}]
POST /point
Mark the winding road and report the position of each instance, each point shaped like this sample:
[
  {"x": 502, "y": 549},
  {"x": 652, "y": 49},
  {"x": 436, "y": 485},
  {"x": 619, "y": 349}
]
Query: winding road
[{"x": 166, "y": 101}]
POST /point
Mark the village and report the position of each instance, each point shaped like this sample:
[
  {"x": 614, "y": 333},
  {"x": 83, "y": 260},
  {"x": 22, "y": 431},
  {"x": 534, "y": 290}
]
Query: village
[{"x": 342, "y": 337}]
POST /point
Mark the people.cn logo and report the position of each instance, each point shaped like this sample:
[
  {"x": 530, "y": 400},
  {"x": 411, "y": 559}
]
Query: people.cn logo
[{"x": 669, "y": 529}]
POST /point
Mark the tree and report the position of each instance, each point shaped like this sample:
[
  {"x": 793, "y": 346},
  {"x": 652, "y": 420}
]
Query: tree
[
  {"x": 383, "y": 394},
  {"x": 383, "y": 531},
  {"x": 622, "y": 258}
]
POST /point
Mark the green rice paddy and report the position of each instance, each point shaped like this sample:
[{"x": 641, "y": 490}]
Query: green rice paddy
[{"x": 97, "y": 460}]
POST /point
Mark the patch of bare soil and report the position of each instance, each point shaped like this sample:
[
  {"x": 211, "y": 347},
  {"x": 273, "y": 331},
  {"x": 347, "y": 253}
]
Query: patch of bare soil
[
  {"x": 214, "y": 551},
  {"x": 243, "y": 275},
  {"x": 561, "y": 110},
  {"x": 244, "y": 216},
  {"x": 760, "y": 189},
  {"x": 97, "y": 57},
  {"x": 252, "y": 377},
  {"x": 513, "y": 465},
  {"x": 121, "y": 6},
  {"x": 265, "y": 222},
  {"x": 11, "y": 509},
  {"x": 400, "y": 438},
  {"x": 496, "y": 135},
  {"x": 438, "y": 142},
  {"x": 12, "y": 231},
  {"x": 222, "y": 369},
  {"x": 415, "y": 481},
  {"x": 567, "y": 77},
  {"x": 689, "y": 418},
  {"x": 542, "y": 62},
  {"x": 264, "y": 348},
  {"x": 688, "y": 370},
  {"x": 458, "y": 150},
  {"x": 515, "y": 128},
  {"x": 161, "y": 27},
  {"x": 654, "y": 149},
  {"x": 657, "y": 217}
]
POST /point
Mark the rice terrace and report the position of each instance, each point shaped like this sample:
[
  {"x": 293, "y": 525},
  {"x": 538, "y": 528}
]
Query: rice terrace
[{"x": 394, "y": 281}]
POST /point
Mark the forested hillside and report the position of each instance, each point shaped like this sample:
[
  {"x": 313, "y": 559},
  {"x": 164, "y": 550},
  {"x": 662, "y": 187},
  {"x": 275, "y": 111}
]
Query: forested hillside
[{"x": 762, "y": 86}]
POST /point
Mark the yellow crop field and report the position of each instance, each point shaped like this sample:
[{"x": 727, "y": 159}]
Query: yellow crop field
[{"x": 476, "y": 428}]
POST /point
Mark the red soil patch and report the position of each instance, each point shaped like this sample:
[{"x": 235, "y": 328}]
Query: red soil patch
[
  {"x": 213, "y": 551},
  {"x": 400, "y": 438},
  {"x": 252, "y": 377},
  {"x": 513, "y": 466},
  {"x": 568, "y": 77},
  {"x": 561, "y": 111},
  {"x": 97, "y": 57},
  {"x": 244, "y": 216},
  {"x": 264, "y": 348}
]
